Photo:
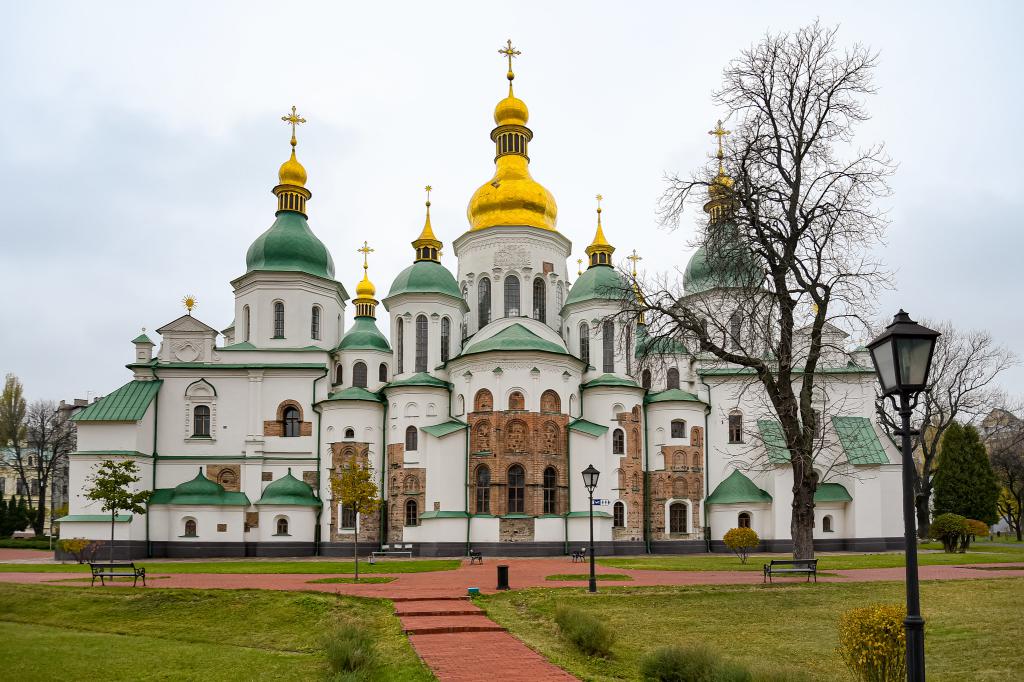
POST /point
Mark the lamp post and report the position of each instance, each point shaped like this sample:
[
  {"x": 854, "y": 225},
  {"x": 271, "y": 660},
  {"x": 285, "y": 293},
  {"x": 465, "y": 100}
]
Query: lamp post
[
  {"x": 590, "y": 475},
  {"x": 902, "y": 356}
]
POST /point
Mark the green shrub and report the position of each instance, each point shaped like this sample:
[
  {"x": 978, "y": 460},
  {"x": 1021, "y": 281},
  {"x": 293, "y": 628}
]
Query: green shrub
[
  {"x": 695, "y": 663},
  {"x": 873, "y": 644},
  {"x": 741, "y": 541},
  {"x": 585, "y": 631},
  {"x": 949, "y": 529},
  {"x": 349, "y": 649}
]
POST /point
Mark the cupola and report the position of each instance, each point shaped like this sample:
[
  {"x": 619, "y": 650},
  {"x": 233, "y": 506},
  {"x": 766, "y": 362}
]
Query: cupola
[
  {"x": 366, "y": 304},
  {"x": 600, "y": 251}
]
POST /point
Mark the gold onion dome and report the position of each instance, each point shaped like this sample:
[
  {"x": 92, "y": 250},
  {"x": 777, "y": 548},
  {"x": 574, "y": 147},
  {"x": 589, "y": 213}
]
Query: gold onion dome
[
  {"x": 512, "y": 196},
  {"x": 365, "y": 288},
  {"x": 366, "y": 304},
  {"x": 292, "y": 172},
  {"x": 427, "y": 245},
  {"x": 600, "y": 251}
]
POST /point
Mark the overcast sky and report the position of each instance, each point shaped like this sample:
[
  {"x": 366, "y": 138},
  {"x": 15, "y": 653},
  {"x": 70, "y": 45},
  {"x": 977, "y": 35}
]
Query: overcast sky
[{"x": 140, "y": 145}]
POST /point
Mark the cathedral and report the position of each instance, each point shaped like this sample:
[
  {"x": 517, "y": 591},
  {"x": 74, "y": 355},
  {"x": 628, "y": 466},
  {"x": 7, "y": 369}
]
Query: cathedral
[{"x": 494, "y": 387}]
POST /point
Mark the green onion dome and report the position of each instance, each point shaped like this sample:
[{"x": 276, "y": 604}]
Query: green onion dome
[
  {"x": 290, "y": 246},
  {"x": 364, "y": 335},
  {"x": 425, "y": 277},
  {"x": 289, "y": 490},
  {"x": 598, "y": 282}
]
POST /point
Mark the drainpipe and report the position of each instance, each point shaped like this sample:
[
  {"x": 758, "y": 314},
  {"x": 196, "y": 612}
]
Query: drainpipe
[
  {"x": 647, "y": 486},
  {"x": 382, "y": 535},
  {"x": 319, "y": 430},
  {"x": 468, "y": 518},
  {"x": 707, "y": 454},
  {"x": 568, "y": 475},
  {"x": 156, "y": 430}
]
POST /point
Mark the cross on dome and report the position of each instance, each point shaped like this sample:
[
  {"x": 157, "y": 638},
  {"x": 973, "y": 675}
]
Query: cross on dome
[
  {"x": 510, "y": 52},
  {"x": 634, "y": 257},
  {"x": 366, "y": 251},
  {"x": 293, "y": 119}
]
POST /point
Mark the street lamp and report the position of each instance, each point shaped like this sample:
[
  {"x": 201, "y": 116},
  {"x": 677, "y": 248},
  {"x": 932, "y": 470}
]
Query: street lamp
[
  {"x": 902, "y": 356},
  {"x": 590, "y": 476}
]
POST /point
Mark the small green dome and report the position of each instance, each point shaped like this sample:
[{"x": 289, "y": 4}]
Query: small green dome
[
  {"x": 364, "y": 335},
  {"x": 200, "y": 485},
  {"x": 701, "y": 275},
  {"x": 425, "y": 277},
  {"x": 289, "y": 490},
  {"x": 289, "y": 245},
  {"x": 598, "y": 282}
]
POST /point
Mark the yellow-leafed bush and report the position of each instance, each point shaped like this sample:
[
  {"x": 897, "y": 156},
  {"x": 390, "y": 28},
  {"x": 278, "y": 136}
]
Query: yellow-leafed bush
[
  {"x": 741, "y": 541},
  {"x": 873, "y": 643}
]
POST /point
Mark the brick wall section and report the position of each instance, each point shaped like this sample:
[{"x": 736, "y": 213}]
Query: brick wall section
[
  {"x": 681, "y": 479},
  {"x": 228, "y": 475},
  {"x": 369, "y": 524},
  {"x": 630, "y": 482},
  {"x": 404, "y": 484},
  {"x": 276, "y": 428}
]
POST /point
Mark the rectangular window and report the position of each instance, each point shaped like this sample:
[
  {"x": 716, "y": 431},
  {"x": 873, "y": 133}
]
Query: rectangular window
[
  {"x": 735, "y": 428},
  {"x": 608, "y": 341},
  {"x": 348, "y": 517}
]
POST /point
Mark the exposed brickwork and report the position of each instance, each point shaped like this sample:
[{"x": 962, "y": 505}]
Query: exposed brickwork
[
  {"x": 404, "y": 484},
  {"x": 631, "y": 476},
  {"x": 276, "y": 427},
  {"x": 252, "y": 520},
  {"x": 515, "y": 530},
  {"x": 682, "y": 479},
  {"x": 228, "y": 475},
  {"x": 369, "y": 524}
]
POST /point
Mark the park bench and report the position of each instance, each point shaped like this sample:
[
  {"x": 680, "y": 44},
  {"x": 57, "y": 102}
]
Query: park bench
[
  {"x": 806, "y": 567},
  {"x": 475, "y": 557},
  {"x": 117, "y": 570},
  {"x": 579, "y": 555}
]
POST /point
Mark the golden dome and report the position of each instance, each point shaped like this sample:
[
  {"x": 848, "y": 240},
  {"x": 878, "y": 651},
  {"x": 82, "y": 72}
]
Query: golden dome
[
  {"x": 600, "y": 251},
  {"x": 365, "y": 288},
  {"x": 511, "y": 111},
  {"x": 292, "y": 172},
  {"x": 427, "y": 245}
]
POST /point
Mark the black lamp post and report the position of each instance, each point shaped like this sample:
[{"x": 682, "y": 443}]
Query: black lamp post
[
  {"x": 902, "y": 356},
  {"x": 590, "y": 475}
]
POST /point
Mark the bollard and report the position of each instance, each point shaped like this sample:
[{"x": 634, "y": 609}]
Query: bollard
[{"x": 503, "y": 577}]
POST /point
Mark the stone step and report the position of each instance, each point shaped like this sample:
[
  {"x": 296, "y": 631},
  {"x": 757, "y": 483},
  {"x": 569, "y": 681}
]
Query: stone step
[
  {"x": 429, "y": 625},
  {"x": 431, "y": 598}
]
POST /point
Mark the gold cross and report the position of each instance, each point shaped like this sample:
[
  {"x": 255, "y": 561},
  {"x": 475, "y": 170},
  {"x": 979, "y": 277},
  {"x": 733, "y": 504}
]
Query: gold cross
[
  {"x": 366, "y": 251},
  {"x": 293, "y": 119},
  {"x": 509, "y": 52},
  {"x": 428, "y": 188},
  {"x": 599, "y": 198},
  {"x": 579, "y": 266},
  {"x": 719, "y": 132},
  {"x": 634, "y": 257}
]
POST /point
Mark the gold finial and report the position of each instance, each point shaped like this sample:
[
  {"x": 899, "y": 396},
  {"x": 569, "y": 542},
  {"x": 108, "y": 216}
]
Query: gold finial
[
  {"x": 190, "y": 302},
  {"x": 634, "y": 258},
  {"x": 579, "y": 266},
  {"x": 599, "y": 198},
  {"x": 428, "y": 190},
  {"x": 509, "y": 52},
  {"x": 366, "y": 251},
  {"x": 599, "y": 251},
  {"x": 720, "y": 132},
  {"x": 293, "y": 119}
]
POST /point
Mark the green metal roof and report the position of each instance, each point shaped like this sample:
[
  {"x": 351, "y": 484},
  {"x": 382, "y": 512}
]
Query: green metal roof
[
  {"x": 774, "y": 441},
  {"x": 247, "y": 345},
  {"x": 597, "y": 514},
  {"x": 355, "y": 393},
  {"x": 419, "y": 379},
  {"x": 728, "y": 270},
  {"x": 438, "y": 430},
  {"x": 290, "y": 246},
  {"x": 364, "y": 335},
  {"x": 661, "y": 345},
  {"x": 127, "y": 404},
  {"x": 142, "y": 338},
  {"x": 601, "y": 282},
  {"x": 736, "y": 489},
  {"x": 229, "y": 365},
  {"x": 832, "y": 492},
  {"x": 730, "y": 371},
  {"x": 91, "y": 518},
  {"x": 589, "y": 428},
  {"x": 425, "y": 277},
  {"x": 859, "y": 440},
  {"x": 199, "y": 491},
  {"x": 290, "y": 491},
  {"x": 514, "y": 337},
  {"x": 673, "y": 395},
  {"x": 611, "y": 380},
  {"x": 444, "y": 515}
]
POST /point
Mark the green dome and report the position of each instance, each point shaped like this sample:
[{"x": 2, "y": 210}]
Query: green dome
[
  {"x": 598, "y": 282},
  {"x": 364, "y": 335},
  {"x": 289, "y": 490},
  {"x": 425, "y": 277},
  {"x": 701, "y": 275},
  {"x": 289, "y": 245},
  {"x": 200, "y": 485}
]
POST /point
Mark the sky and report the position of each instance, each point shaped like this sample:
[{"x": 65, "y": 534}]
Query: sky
[{"x": 141, "y": 141}]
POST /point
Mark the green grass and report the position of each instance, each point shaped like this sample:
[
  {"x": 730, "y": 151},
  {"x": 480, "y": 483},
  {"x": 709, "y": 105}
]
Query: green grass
[
  {"x": 352, "y": 581},
  {"x": 586, "y": 576},
  {"x": 973, "y": 628},
  {"x": 312, "y": 567},
  {"x": 208, "y": 635},
  {"x": 931, "y": 555}
]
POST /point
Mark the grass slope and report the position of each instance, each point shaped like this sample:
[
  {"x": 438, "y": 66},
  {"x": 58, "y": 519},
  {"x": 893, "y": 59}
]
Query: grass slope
[
  {"x": 973, "y": 628},
  {"x": 294, "y": 567},
  {"x": 209, "y": 635}
]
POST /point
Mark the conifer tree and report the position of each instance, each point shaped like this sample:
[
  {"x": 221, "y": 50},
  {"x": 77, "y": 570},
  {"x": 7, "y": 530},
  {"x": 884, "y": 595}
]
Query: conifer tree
[
  {"x": 4, "y": 530},
  {"x": 965, "y": 483}
]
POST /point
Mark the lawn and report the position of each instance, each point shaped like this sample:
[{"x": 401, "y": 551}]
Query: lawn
[
  {"x": 931, "y": 555},
  {"x": 209, "y": 635},
  {"x": 312, "y": 567},
  {"x": 973, "y": 628}
]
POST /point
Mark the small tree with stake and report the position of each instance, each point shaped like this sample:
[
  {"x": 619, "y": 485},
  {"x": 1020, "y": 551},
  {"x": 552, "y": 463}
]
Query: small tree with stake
[
  {"x": 111, "y": 484},
  {"x": 353, "y": 486}
]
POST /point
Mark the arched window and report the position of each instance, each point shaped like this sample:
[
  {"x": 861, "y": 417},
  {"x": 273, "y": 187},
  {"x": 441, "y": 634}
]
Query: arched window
[
  {"x": 672, "y": 378},
  {"x": 550, "y": 402},
  {"x": 483, "y": 490},
  {"x": 282, "y": 526},
  {"x": 278, "y": 320},
  {"x": 359, "y": 374},
  {"x": 348, "y": 516},
  {"x": 608, "y": 342},
  {"x": 677, "y": 517},
  {"x": 550, "y": 491},
  {"x": 292, "y": 422},
  {"x": 618, "y": 442},
  {"x": 411, "y": 513},
  {"x": 190, "y": 528},
  {"x": 411, "y": 437},
  {"x": 540, "y": 303},
  {"x": 201, "y": 421},
  {"x": 826, "y": 524},
  {"x": 516, "y": 489},
  {"x": 735, "y": 426},
  {"x": 516, "y": 401},
  {"x": 350, "y": 433},
  {"x": 314, "y": 328},
  {"x": 743, "y": 520},
  {"x": 735, "y": 327},
  {"x": 382, "y": 372},
  {"x": 645, "y": 379},
  {"x": 339, "y": 374},
  {"x": 585, "y": 343},
  {"x": 400, "y": 344},
  {"x": 511, "y": 296},
  {"x": 246, "y": 323},
  {"x": 618, "y": 515},
  {"x": 483, "y": 302},
  {"x": 679, "y": 428},
  {"x": 483, "y": 401},
  {"x": 446, "y": 337},
  {"x": 421, "y": 343}
]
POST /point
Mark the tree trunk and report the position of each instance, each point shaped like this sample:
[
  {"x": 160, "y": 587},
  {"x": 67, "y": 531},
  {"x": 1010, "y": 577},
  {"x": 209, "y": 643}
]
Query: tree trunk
[
  {"x": 355, "y": 546},
  {"x": 924, "y": 519},
  {"x": 40, "y": 519},
  {"x": 801, "y": 525},
  {"x": 1019, "y": 539},
  {"x": 113, "y": 514}
]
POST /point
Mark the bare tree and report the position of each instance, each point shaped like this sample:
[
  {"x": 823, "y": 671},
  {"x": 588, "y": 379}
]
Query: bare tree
[
  {"x": 961, "y": 388},
  {"x": 787, "y": 246},
  {"x": 50, "y": 437},
  {"x": 1004, "y": 437}
]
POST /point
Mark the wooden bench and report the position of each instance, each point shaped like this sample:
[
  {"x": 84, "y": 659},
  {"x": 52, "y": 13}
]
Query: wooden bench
[
  {"x": 579, "y": 555},
  {"x": 475, "y": 557},
  {"x": 117, "y": 570},
  {"x": 806, "y": 567}
]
